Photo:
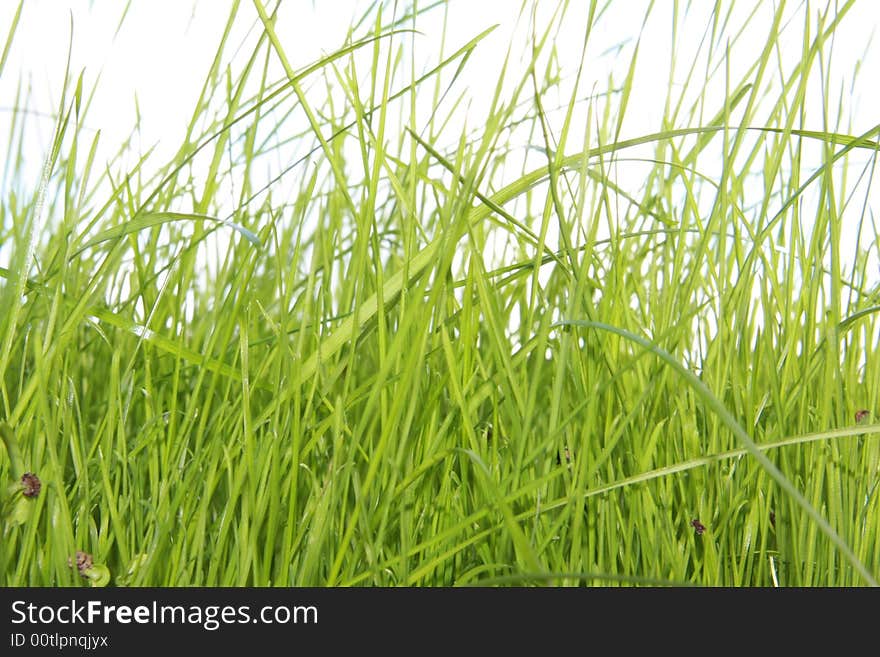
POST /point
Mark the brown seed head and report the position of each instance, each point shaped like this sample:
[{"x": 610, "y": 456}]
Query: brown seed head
[
  {"x": 83, "y": 562},
  {"x": 30, "y": 484}
]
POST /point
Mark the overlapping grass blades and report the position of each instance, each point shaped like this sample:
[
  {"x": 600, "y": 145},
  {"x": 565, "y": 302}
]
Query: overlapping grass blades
[{"x": 447, "y": 343}]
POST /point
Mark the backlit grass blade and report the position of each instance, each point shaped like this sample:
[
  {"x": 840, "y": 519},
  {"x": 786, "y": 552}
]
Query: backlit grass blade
[{"x": 151, "y": 219}]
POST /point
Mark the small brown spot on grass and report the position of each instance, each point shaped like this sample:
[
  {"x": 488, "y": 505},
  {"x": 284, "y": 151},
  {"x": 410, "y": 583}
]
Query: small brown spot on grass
[
  {"x": 30, "y": 485},
  {"x": 84, "y": 562},
  {"x": 559, "y": 456}
]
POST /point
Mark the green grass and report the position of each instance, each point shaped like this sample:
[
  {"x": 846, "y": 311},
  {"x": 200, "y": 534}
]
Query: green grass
[{"x": 455, "y": 346}]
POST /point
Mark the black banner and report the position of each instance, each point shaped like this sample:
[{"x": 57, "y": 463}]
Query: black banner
[{"x": 405, "y": 621}]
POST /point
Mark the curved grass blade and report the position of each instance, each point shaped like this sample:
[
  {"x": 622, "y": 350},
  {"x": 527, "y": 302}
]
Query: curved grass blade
[
  {"x": 157, "y": 219},
  {"x": 730, "y": 421},
  {"x": 701, "y": 461}
]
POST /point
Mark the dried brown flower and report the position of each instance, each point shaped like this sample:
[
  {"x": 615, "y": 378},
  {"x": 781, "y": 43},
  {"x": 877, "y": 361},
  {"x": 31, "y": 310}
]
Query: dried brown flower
[
  {"x": 30, "y": 484},
  {"x": 83, "y": 562}
]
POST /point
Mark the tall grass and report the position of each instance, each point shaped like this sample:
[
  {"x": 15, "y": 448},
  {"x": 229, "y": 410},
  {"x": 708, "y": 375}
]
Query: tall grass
[{"x": 357, "y": 331}]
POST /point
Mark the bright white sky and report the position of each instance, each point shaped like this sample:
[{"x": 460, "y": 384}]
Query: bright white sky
[{"x": 164, "y": 47}]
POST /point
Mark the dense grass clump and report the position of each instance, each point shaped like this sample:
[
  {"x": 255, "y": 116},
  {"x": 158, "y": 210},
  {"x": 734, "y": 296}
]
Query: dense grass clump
[{"x": 362, "y": 329}]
